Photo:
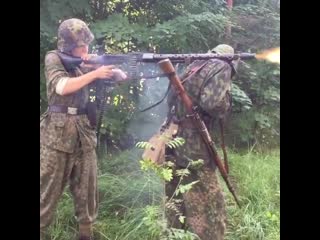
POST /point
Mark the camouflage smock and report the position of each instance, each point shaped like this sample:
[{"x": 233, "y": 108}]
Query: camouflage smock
[
  {"x": 59, "y": 130},
  {"x": 209, "y": 90}
]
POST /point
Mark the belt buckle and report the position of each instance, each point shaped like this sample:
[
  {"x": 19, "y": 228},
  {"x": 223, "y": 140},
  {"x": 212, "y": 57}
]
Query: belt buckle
[{"x": 72, "y": 111}]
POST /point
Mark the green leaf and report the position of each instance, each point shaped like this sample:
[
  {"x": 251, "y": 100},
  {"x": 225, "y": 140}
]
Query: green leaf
[
  {"x": 182, "y": 172},
  {"x": 197, "y": 163},
  {"x": 187, "y": 187},
  {"x": 144, "y": 145},
  {"x": 166, "y": 174},
  {"x": 169, "y": 164},
  {"x": 240, "y": 97},
  {"x": 181, "y": 219},
  {"x": 147, "y": 164}
]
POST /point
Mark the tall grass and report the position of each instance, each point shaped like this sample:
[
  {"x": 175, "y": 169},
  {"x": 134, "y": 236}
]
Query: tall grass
[
  {"x": 129, "y": 198},
  {"x": 258, "y": 185}
]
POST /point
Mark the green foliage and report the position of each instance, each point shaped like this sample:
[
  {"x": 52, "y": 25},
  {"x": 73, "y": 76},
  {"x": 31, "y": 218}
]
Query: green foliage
[
  {"x": 153, "y": 220},
  {"x": 260, "y": 124},
  {"x": 164, "y": 173},
  {"x": 257, "y": 27},
  {"x": 182, "y": 172},
  {"x": 176, "y": 142},
  {"x": 119, "y": 111},
  {"x": 178, "y": 26},
  {"x": 119, "y": 33},
  {"x": 179, "y": 234},
  {"x": 259, "y": 189},
  {"x": 175, "y": 35},
  {"x": 240, "y": 100},
  {"x": 131, "y": 202},
  {"x": 144, "y": 145},
  {"x": 172, "y": 35},
  {"x": 185, "y": 188},
  {"x": 157, "y": 227}
]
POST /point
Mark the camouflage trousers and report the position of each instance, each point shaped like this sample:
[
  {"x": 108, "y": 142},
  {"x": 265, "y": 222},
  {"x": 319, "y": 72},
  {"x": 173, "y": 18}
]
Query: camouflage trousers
[
  {"x": 203, "y": 205},
  {"x": 57, "y": 169}
]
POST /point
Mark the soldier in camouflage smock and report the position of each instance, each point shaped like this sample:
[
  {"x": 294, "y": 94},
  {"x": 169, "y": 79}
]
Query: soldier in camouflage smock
[
  {"x": 67, "y": 137},
  {"x": 203, "y": 206}
]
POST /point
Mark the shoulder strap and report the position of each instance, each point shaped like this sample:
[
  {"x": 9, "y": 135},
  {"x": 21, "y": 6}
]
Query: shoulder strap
[
  {"x": 193, "y": 71},
  {"x": 223, "y": 146},
  {"x": 184, "y": 78},
  {"x": 157, "y": 103}
]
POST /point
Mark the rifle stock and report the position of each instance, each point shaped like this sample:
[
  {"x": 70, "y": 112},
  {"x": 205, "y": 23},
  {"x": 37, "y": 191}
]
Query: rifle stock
[{"x": 167, "y": 67}]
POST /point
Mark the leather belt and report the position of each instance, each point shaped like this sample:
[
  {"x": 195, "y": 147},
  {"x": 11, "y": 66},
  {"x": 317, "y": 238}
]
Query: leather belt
[{"x": 67, "y": 110}]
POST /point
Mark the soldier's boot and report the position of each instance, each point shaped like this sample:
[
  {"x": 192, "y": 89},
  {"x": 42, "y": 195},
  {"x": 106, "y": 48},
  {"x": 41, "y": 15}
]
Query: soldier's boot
[{"x": 85, "y": 232}]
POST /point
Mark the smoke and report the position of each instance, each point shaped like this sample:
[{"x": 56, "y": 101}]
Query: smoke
[{"x": 147, "y": 123}]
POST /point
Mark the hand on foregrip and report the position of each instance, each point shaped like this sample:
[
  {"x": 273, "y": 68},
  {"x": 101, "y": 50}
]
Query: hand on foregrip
[
  {"x": 104, "y": 72},
  {"x": 119, "y": 75}
]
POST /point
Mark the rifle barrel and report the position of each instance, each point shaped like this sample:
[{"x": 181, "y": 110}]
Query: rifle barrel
[
  {"x": 150, "y": 57},
  {"x": 134, "y": 58}
]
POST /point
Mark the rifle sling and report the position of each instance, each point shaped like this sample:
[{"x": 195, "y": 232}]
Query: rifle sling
[{"x": 185, "y": 78}]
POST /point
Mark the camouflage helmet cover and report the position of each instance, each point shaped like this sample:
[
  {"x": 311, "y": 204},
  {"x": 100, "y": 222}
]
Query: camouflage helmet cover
[
  {"x": 73, "y": 33},
  {"x": 223, "y": 49}
]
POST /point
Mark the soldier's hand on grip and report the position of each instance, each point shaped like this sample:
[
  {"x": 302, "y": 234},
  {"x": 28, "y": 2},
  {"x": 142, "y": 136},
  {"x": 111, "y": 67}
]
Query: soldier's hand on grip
[{"x": 104, "y": 72}]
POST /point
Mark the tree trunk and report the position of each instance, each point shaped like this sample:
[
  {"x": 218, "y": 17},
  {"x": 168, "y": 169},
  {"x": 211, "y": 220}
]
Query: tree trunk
[{"x": 228, "y": 28}]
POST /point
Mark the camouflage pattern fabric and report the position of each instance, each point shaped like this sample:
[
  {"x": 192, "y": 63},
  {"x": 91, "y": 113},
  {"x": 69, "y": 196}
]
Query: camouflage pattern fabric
[
  {"x": 57, "y": 169},
  {"x": 203, "y": 206},
  {"x": 73, "y": 33},
  {"x": 223, "y": 49},
  {"x": 67, "y": 150},
  {"x": 209, "y": 89}
]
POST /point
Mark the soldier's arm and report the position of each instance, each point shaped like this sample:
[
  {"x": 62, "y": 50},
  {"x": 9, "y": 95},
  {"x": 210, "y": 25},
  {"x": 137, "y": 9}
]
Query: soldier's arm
[
  {"x": 59, "y": 80},
  {"x": 216, "y": 84},
  {"x": 54, "y": 72},
  {"x": 73, "y": 84}
]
